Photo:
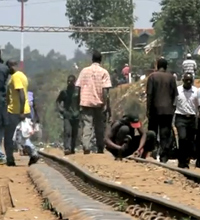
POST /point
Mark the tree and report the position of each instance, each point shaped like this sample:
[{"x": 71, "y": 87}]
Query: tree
[
  {"x": 178, "y": 21},
  {"x": 98, "y": 13}
]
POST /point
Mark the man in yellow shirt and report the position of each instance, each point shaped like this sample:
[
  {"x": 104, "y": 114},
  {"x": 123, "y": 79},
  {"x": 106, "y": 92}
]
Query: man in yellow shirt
[{"x": 18, "y": 109}]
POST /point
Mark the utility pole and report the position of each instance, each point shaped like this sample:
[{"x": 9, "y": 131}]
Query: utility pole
[
  {"x": 131, "y": 41},
  {"x": 22, "y": 34}
]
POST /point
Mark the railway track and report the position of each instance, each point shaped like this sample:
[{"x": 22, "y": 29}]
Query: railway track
[
  {"x": 187, "y": 173},
  {"x": 140, "y": 205}
]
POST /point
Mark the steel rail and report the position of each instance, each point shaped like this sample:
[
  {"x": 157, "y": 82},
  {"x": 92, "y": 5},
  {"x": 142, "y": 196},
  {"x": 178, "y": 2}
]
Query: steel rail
[
  {"x": 138, "y": 202},
  {"x": 187, "y": 173}
]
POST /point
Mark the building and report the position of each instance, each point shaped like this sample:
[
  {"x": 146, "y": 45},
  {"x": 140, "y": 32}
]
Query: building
[{"x": 142, "y": 37}]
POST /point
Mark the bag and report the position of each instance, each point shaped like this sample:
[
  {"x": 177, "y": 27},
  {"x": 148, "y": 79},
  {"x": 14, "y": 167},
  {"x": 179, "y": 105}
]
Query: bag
[{"x": 23, "y": 131}]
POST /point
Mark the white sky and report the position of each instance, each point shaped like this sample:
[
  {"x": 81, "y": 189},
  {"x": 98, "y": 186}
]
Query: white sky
[{"x": 52, "y": 13}]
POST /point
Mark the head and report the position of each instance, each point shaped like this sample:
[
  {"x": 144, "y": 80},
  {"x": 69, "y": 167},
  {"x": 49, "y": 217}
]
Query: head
[
  {"x": 126, "y": 65},
  {"x": 96, "y": 57},
  {"x": 71, "y": 81},
  {"x": 162, "y": 64},
  {"x": 12, "y": 65},
  {"x": 189, "y": 56},
  {"x": 132, "y": 120},
  {"x": 187, "y": 80}
]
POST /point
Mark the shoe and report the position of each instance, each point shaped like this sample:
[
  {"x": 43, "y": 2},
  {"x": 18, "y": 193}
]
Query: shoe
[
  {"x": 183, "y": 166},
  {"x": 100, "y": 152},
  {"x": 67, "y": 152},
  {"x": 86, "y": 151},
  {"x": 163, "y": 159},
  {"x": 11, "y": 164},
  {"x": 33, "y": 160}
]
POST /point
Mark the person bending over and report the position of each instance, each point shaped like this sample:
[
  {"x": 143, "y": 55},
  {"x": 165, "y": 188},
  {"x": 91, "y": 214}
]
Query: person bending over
[{"x": 121, "y": 140}]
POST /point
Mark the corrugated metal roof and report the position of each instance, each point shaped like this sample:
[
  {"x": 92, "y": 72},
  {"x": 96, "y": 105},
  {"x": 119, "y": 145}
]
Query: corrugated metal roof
[{"x": 139, "y": 32}]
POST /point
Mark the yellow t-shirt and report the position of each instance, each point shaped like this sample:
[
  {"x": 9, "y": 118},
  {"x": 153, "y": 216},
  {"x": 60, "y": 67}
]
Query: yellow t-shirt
[{"x": 17, "y": 81}]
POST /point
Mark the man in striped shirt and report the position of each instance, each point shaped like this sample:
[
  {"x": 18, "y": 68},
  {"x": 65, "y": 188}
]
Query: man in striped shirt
[
  {"x": 94, "y": 83},
  {"x": 189, "y": 65}
]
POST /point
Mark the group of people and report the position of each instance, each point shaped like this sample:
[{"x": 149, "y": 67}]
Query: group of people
[
  {"x": 85, "y": 104},
  {"x": 171, "y": 106},
  {"x": 17, "y": 103}
]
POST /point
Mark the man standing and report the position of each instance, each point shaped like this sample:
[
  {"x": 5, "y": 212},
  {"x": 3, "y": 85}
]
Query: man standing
[
  {"x": 185, "y": 119},
  {"x": 18, "y": 109},
  {"x": 68, "y": 105},
  {"x": 189, "y": 65},
  {"x": 4, "y": 73},
  {"x": 125, "y": 72},
  {"x": 161, "y": 92},
  {"x": 94, "y": 83}
]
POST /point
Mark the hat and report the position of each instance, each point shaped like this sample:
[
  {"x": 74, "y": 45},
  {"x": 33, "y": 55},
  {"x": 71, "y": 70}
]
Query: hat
[
  {"x": 134, "y": 120},
  {"x": 189, "y": 55}
]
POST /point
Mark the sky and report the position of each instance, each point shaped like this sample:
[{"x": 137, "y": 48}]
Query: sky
[{"x": 52, "y": 13}]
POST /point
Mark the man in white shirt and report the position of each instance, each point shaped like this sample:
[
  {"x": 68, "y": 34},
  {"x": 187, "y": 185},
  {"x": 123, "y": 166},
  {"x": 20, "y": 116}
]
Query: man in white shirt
[
  {"x": 189, "y": 65},
  {"x": 185, "y": 119}
]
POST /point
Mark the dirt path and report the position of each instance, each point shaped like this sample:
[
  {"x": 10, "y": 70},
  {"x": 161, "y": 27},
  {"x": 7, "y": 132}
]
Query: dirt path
[
  {"x": 27, "y": 202},
  {"x": 147, "y": 178}
]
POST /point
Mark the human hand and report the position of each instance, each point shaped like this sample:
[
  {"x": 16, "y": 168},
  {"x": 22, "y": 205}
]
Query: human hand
[{"x": 22, "y": 117}]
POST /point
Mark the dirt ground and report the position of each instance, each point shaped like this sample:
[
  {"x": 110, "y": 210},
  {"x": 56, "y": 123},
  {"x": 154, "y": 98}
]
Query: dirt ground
[
  {"x": 27, "y": 203},
  {"x": 146, "y": 178}
]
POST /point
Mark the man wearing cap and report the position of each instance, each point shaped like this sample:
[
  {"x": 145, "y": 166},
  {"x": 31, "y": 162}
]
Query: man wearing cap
[
  {"x": 122, "y": 142},
  {"x": 18, "y": 109},
  {"x": 189, "y": 65}
]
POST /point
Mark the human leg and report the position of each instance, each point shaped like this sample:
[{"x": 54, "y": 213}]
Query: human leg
[
  {"x": 197, "y": 143},
  {"x": 75, "y": 127},
  {"x": 99, "y": 128},
  {"x": 2, "y": 155},
  {"x": 13, "y": 121},
  {"x": 165, "y": 126},
  {"x": 153, "y": 126},
  {"x": 180, "y": 123},
  {"x": 67, "y": 136},
  {"x": 87, "y": 119}
]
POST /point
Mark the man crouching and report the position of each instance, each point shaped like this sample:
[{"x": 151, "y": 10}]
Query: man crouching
[{"x": 122, "y": 142}]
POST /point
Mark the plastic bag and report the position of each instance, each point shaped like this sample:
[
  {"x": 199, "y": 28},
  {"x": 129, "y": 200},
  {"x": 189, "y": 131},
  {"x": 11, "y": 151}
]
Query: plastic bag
[{"x": 23, "y": 131}]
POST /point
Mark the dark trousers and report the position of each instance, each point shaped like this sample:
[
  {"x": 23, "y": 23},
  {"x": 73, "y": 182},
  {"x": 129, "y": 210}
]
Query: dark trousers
[
  {"x": 164, "y": 124},
  {"x": 71, "y": 127},
  {"x": 122, "y": 138},
  {"x": 13, "y": 121},
  {"x": 197, "y": 143},
  {"x": 186, "y": 128}
]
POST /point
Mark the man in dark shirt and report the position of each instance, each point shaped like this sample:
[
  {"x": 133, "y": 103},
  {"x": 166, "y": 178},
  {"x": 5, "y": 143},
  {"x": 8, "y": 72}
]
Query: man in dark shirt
[
  {"x": 68, "y": 105},
  {"x": 122, "y": 142},
  {"x": 4, "y": 73},
  {"x": 161, "y": 93}
]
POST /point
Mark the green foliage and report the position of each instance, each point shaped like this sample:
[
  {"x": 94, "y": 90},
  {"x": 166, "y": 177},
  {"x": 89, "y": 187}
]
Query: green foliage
[
  {"x": 140, "y": 60},
  {"x": 106, "y": 13},
  {"x": 178, "y": 21},
  {"x": 38, "y": 63}
]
